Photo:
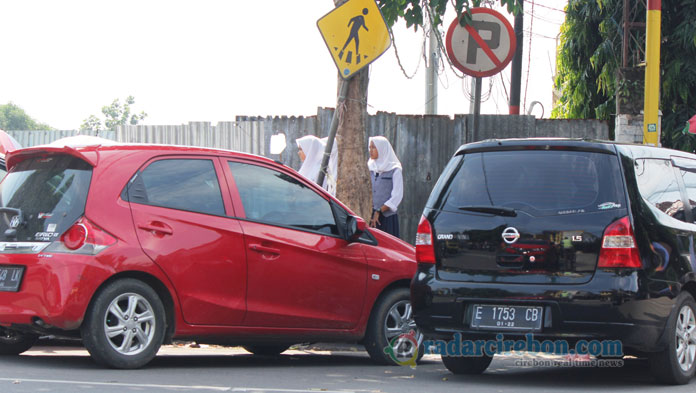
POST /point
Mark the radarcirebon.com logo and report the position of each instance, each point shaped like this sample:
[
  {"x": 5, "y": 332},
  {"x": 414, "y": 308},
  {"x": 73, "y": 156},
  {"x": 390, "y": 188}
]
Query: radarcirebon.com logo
[{"x": 403, "y": 349}]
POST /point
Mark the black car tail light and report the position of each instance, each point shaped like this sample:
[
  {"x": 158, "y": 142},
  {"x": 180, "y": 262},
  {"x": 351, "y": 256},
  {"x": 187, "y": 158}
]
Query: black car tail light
[
  {"x": 425, "y": 250},
  {"x": 619, "y": 246}
]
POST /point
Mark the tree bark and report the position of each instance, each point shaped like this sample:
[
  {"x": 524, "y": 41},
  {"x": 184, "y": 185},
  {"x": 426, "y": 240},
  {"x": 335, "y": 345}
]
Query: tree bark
[{"x": 353, "y": 185}]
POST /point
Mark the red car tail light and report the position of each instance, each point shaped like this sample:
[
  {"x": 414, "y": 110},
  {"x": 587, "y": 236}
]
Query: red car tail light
[
  {"x": 83, "y": 237},
  {"x": 75, "y": 237},
  {"x": 425, "y": 250},
  {"x": 619, "y": 246}
]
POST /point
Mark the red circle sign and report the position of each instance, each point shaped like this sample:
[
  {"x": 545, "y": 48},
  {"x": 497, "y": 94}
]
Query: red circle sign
[{"x": 484, "y": 47}]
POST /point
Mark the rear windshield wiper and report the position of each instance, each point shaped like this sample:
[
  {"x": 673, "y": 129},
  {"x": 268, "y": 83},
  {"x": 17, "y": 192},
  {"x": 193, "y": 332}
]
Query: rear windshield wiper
[{"x": 499, "y": 211}]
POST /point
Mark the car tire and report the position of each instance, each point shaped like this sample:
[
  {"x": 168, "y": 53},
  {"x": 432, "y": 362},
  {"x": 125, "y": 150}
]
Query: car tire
[
  {"x": 125, "y": 325},
  {"x": 14, "y": 343},
  {"x": 676, "y": 364},
  {"x": 266, "y": 349},
  {"x": 387, "y": 338},
  {"x": 466, "y": 365}
]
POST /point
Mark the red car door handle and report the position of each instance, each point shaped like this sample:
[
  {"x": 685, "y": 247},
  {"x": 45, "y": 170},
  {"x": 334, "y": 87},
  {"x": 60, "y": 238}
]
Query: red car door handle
[
  {"x": 157, "y": 227},
  {"x": 260, "y": 248}
]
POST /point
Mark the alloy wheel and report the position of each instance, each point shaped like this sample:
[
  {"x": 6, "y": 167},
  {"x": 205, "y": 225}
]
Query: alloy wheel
[
  {"x": 686, "y": 338},
  {"x": 129, "y": 324},
  {"x": 401, "y": 331}
]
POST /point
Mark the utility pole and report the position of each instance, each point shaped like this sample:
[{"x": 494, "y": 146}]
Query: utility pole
[
  {"x": 431, "y": 73},
  {"x": 516, "y": 73}
]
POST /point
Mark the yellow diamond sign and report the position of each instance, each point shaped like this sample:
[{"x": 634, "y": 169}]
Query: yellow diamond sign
[{"x": 356, "y": 34}]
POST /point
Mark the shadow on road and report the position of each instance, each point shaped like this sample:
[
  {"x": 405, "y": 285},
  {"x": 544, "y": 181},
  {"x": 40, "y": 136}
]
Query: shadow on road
[
  {"x": 501, "y": 374},
  {"x": 634, "y": 373}
]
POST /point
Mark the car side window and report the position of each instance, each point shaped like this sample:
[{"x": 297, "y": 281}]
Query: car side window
[
  {"x": 278, "y": 198},
  {"x": 658, "y": 185},
  {"x": 182, "y": 184},
  {"x": 690, "y": 184}
]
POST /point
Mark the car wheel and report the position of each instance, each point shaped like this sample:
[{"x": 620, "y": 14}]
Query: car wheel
[
  {"x": 125, "y": 325},
  {"x": 14, "y": 343},
  {"x": 676, "y": 364},
  {"x": 266, "y": 349},
  {"x": 392, "y": 336},
  {"x": 467, "y": 365}
]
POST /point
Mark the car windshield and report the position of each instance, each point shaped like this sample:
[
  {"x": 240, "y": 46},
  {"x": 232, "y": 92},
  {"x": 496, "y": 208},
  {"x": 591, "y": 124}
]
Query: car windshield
[{"x": 42, "y": 197}]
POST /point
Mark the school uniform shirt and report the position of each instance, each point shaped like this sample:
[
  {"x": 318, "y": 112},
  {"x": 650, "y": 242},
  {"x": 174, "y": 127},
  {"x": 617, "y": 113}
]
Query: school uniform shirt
[
  {"x": 387, "y": 179},
  {"x": 387, "y": 189}
]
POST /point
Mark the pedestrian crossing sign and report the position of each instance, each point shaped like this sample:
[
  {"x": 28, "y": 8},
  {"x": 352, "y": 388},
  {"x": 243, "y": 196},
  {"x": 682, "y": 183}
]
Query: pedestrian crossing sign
[{"x": 356, "y": 34}]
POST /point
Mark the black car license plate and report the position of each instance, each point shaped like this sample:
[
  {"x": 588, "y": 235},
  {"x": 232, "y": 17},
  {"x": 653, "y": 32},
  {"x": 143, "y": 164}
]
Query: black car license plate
[
  {"x": 10, "y": 277},
  {"x": 501, "y": 317}
]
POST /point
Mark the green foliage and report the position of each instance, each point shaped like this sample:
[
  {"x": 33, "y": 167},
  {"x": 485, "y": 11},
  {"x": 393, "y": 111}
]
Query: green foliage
[
  {"x": 589, "y": 58},
  {"x": 678, "y": 79},
  {"x": 413, "y": 13},
  {"x": 114, "y": 115},
  {"x": 13, "y": 117}
]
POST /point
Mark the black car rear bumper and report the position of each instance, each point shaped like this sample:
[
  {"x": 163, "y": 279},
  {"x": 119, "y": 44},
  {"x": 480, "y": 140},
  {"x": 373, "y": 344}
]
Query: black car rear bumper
[{"x": 614, "y": 305}]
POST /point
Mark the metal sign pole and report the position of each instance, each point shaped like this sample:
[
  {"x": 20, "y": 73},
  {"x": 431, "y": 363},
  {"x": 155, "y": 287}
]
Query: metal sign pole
[
  {"x": 332, "y": 132},
  {"x": 477, "y": 109}
]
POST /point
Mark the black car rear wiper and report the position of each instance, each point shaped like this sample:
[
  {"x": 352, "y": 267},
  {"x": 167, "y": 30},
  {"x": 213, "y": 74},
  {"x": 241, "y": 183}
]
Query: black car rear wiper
[{"x": 499, "y": 211}]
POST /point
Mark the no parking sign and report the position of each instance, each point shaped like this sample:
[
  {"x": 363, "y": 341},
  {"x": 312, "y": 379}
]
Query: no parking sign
[{"x": 484, "y": 47}]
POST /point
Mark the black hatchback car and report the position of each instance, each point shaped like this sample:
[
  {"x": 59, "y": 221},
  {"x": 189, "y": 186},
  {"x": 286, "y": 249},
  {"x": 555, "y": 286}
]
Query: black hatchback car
[{"x": 561, "y": 239}]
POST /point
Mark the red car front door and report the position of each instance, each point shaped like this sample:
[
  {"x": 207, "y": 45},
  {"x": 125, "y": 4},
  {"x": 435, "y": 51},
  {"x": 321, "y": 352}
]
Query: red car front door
[
  {"x": 301, "y": 273},
  {"x": 181, "y": 218}
]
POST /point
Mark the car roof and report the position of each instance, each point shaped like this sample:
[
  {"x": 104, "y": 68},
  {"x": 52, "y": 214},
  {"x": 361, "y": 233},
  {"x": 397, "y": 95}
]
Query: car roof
[
  {"x": 91, "y": 153},
  {"x": 603, "y": 146}
]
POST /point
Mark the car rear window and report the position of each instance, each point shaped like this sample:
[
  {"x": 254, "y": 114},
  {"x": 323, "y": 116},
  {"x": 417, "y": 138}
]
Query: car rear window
[
  {"x": 50, "y": 192},
  {"x": 540, "y": 182}
]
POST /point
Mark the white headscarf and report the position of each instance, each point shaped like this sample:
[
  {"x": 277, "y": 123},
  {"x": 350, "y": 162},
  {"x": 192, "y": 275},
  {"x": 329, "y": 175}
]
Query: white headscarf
[
  {"x": 332, "y": 169},
  {"x": 386, "y": 161},
  {"x": 313, "y": 149}
]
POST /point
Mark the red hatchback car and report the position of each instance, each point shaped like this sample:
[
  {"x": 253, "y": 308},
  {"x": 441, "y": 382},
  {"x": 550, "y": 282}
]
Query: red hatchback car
[{"x": 131, "y": 246}]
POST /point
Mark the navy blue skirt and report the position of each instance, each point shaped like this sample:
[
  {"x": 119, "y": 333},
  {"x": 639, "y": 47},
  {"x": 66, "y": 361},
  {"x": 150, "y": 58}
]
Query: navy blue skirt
[{"x": 389, "y": 224}]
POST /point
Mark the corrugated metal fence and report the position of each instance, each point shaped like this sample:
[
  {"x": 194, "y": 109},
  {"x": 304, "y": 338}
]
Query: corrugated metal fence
[
  {"x": 424, "y": 144},
  {"x": 33, "y": 138}
]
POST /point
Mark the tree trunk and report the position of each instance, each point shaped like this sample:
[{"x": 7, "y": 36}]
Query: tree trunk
[{"x": 353, "y": 185}]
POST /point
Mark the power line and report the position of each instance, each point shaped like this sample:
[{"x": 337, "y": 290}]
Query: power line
[
  {"x": 543, "y": 19},
  {"x": 529, "y": 57},
  {"x": 502, "y": 82},
  {"x": 551, "y": 8},
  {"x": 539, "y": 35}
]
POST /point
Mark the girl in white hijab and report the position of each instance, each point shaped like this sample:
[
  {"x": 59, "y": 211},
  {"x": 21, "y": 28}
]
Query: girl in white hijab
[
  {"x": 387, "y": 185},
  {"x": 311, "y": 150}
]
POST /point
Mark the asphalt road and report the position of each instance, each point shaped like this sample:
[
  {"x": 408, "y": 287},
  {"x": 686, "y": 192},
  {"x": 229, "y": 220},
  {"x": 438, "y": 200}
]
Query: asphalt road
[{"x": 214, "y": 369}]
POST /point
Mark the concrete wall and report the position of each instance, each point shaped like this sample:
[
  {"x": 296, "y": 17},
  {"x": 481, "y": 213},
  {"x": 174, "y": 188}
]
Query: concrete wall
[
  {"x": 424, "y": 144},
  {"x": 629, "y": 128}
]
